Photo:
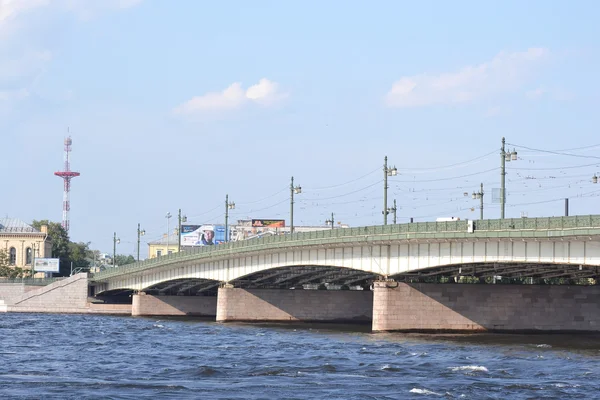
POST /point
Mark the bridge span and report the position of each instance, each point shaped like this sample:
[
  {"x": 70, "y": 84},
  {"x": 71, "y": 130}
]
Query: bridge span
[{"x": 254, "y": 275}]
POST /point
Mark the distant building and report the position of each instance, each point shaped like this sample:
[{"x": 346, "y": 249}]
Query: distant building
[
  {"x": 242, "y": 230},
  {"x": 21, "y": 240},
  {"x": 159, "y": 247}
]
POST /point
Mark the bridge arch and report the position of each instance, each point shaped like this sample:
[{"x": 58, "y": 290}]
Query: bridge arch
[{"x": 303, "y": 276}]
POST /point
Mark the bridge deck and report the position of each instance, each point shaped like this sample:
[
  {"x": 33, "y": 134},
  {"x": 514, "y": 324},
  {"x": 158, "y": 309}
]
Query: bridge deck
[{"x": 532, "y": 228}]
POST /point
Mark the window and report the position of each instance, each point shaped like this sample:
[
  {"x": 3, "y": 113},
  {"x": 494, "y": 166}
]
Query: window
[
  {"x": 170, "y": 252},
  {"x": 158, "y": 253},
  {"x": 12, "y": 254},
  {"x": 28, "y": 256}
]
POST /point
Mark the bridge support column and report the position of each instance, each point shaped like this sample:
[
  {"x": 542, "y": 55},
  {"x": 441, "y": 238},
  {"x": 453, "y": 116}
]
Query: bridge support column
[
  {"x": 430, "y": 307},
  {"x": 144, "y": 304},
  {"x": 285, "y": 305}
]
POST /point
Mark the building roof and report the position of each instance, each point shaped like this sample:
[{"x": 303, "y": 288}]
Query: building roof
[
  {"x": 15, "y": 225},
  {"x": 173, "y": 240}
]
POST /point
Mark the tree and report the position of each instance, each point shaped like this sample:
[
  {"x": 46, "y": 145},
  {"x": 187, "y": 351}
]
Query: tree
[
  {"x": 80, "y": 255},
  {"x": 60, "y": 243},
  {"x": 8, "y": 271},
  {"x": 122, "y": 259}
]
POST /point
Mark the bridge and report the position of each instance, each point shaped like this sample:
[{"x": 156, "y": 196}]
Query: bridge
[{"x": 365, "y": 261}]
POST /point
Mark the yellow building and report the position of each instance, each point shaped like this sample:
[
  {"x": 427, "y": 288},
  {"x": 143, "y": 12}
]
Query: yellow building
[
  {"x": 162, "y": 247},
  {"x": 21, "y": 240}
]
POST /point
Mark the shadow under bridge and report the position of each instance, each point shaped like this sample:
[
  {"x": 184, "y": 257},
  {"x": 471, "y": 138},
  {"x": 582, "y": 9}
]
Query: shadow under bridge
[{"x": 307, "y": 277}]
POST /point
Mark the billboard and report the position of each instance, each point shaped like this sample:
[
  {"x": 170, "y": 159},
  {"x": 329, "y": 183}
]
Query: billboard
[
  {"x": 46, "y": 265},
  {"x": 202, "y": 235},
  {"x": 269, "y": 223}
]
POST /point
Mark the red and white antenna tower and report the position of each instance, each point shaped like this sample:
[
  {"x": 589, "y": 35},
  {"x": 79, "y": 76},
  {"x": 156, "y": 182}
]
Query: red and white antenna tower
[{"x": 67, "y": 175}]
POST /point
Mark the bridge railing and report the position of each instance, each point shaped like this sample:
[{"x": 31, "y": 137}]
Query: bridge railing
[{"x": 331, "y": 235}]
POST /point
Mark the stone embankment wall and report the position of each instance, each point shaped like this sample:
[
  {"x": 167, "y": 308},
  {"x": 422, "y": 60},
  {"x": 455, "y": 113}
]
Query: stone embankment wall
[
  {"x": 66, "y": 296},
  {"x": 144, "y": 304},
  {"x": 8, "y": 291},
  {"x": 473, "y": 307},
  {"x": 235, "y": 304}
]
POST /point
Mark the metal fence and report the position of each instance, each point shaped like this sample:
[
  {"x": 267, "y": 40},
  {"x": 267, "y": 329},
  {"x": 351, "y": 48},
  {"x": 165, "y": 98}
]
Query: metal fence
[{"x": 31, "y": 281}]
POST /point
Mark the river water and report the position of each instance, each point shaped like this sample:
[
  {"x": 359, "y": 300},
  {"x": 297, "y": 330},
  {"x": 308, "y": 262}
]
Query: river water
[{"x": 45, "y": 356}]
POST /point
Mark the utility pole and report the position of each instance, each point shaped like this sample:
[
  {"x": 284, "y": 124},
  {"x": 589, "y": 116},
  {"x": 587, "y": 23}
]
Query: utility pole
[
  {"x": 504, "y": 157},
  {"x": 228, "y": 206},
  {"x": 296, "y": 190},
  {"x": 140, "y": 232},
  {"x": 394, "y": 211},
  {"x": 502, "y": 178},
  {"x": 115, "y": 242},
  {"x": 479, "y": 195},
  {"x": 330, "y": 221},
  {"x": 180, "y": 219},
  {"x": 168, "y": 217},
  {"x": 481, "y": 203},
  {"x": 386, "y": 172}
]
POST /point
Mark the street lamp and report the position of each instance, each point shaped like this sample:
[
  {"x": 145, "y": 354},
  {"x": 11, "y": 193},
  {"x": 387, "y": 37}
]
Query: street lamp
[
  {"x": 293, "y": 190},
  {"x": 479, "y": 195},
  {"x": 228, "y": 206},
  {"x": 386, "y": 172},
  {"x": 116, "y": 241},
  {"x": 140, "y": 232},
  {"x": 504, "y": 157},
  {"x": 168, "y": 217},
  {"x": 330, "y": 221},
  {"x": 181, "y": 219}
]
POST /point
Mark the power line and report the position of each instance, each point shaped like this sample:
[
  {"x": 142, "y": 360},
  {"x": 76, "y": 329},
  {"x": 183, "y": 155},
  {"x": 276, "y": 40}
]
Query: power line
[
  {"x": 263, "y": 199},
  {"x": 553, "y": 152},
  {"x": 555, "y": 168},
  {"x": 450, "y": 165},
  {"x": 345, "y": 183},
  {"x": 345, "y": 194},
  {"x": 449, "y": 178}
]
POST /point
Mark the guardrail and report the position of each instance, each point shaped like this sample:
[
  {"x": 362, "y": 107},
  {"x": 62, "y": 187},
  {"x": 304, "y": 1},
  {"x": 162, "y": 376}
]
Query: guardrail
[
  {"x": 31, "y": 281},
  {"x": 429, "y": 230}
]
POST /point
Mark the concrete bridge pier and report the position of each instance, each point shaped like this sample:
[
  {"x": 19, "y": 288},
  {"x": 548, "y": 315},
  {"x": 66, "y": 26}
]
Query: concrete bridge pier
[
  {"x": 148, "y": 305},
  {"x": 427, "y": 307},
  {"x": 285, "y": 305}
]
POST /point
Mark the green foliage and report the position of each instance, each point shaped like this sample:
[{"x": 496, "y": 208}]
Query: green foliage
[
  {"x": 80, "y": 255},
  {"x": 121, "y": 259},
  {"x": 7, "y": 271},
  {"x": 60, "y": 243}
]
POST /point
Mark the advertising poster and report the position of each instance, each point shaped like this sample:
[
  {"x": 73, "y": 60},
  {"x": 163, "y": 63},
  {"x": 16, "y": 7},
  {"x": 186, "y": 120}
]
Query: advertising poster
[
  {"x": 202, "y": 235},
  {"x": 268, "y": 223},
  {"x": 46, "y": 265}
]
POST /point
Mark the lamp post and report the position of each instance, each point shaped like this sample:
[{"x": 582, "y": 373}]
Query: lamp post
[
  {"x": 293, "y": 190},
  {"x": 168, "y": 217},
  {"x": 228, "y": 206},
  {"x": 140, "y": 232},
  {"x": 386, "y": 172},
  {"x": 504, "y": 157},
  {"x": 479, "y": 195},
  {"x": 330, "y": 221},
  {"x": 116, "y": 241},
  {"x": 181, "y": 219}
]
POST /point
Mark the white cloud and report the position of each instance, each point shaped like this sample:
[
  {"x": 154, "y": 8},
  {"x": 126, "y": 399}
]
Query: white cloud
[
  {"x": 536, "y": 93},
  {"x": 12, "y": 8},
  {"x": 21, "y": 66},
  {"x": 549, "y": 93},
  {"x": 265, "y": 92},
  {"x": 505, "y": 72}
]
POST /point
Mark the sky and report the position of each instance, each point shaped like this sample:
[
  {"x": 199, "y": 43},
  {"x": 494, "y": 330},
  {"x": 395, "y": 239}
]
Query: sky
[{"x": 174, "y": 104}]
